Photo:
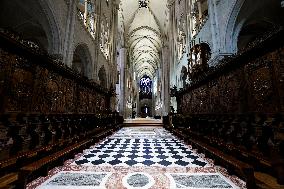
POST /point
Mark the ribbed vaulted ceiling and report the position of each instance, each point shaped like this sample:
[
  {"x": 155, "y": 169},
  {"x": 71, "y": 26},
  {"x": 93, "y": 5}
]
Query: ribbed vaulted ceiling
[{"x": 144, "y": 31}]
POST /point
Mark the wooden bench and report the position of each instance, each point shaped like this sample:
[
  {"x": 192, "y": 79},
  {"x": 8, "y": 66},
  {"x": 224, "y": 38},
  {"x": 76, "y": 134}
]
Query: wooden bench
[
  {"x": 253, "y": 158},
  {"x": 243, "y": 170},
  {"x": 14, "y": 163},
  {"x": 43, "y": 165},
  {"x": 7, "y": 180}
]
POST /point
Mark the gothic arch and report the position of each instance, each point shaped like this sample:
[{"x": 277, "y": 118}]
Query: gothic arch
[
  {"x": 55, "y": 38},
  {"x": 244, "y": 13},
  {"x": 82, "y": 61},
  {"x": 34, "y": 21},
  {"x": 228, "y": 44},
  {"x": 250, "y": 31}
]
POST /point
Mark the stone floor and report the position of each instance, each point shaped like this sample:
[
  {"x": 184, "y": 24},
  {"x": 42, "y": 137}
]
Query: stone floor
[{"x": 138, "y": 158}]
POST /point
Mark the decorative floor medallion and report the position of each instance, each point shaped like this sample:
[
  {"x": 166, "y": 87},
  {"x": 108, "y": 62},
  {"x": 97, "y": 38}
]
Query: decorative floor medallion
[{"x": 138, "y": 181}]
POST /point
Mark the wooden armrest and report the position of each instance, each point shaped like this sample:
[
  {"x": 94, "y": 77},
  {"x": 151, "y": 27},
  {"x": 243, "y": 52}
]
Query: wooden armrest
[{"x": 8, "y": 179}]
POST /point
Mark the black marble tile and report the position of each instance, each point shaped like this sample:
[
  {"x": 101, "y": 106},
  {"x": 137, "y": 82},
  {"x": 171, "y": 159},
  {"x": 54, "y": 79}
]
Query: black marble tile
[
  {"x": 177, "y": 156},
  {"x": 148, "y": 162},
  {"x": 182, "y": 163},
  {"x": 89, "y": 155},
  {"x": 131, "y": 162},
  {"x": 147, "y": 156},
  {"x": 132, "y": 156},
  {"x": 165, "y": 163},
  {"x": 94, "y": 151},
  {"x": 80, "y": 162},
  {"x": 192, "y": 156},
  {"x": 108, "y": 151},
  {"x": 98, "y": 162},
  {"x": 162, "y": 156},
  {"x": 115, "y": 162},
  {"x": 118, "y": 156},
  {"x": 200, "y": 163},
  {"x": 104, "y": 156}
]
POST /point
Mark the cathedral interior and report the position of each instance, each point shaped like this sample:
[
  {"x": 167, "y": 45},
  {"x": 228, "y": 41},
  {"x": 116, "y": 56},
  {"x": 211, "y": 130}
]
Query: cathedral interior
[{"x": 141, "y": 94}]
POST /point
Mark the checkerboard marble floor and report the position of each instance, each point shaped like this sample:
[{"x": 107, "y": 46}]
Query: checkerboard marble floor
[{"x": 139, "y": 157}]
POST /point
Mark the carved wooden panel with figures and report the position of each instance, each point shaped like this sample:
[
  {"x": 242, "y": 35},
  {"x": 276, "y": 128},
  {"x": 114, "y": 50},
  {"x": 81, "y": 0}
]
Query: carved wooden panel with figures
[{"x": 32, "y": 82}]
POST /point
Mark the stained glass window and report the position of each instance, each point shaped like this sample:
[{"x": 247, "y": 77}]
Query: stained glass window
[
  {"x": 143, "y": 3},
  {"x": 145, "y": 84}
]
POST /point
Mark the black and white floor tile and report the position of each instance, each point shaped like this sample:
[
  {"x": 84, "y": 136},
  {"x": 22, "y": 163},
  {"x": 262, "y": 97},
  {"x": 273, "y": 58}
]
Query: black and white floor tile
[
  {"x": 120, "y": 151},
  {"x": 138, "y": 158}
]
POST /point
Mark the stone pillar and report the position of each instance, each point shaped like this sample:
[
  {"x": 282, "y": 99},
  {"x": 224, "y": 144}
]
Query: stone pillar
[
  {"x": 172, "y": 33},
  {"x": 122, "y": 81},
  {"x": 165, "y": 81},
  {"x": 69, "y": 33},
  {"x": 114, "y": 33},
  {"x": 199, "y": 11},
  {"x": 214, "y": 27},
  {"x": 188, "y": 31},
  {"x": 86, "y": 12},
  {"x": 97, "y": 38}
]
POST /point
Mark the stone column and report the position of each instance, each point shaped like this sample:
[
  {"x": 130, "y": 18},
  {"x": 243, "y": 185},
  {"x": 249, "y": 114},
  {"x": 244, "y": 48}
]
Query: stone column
[
  {"x": 97, "y": 38},
  {"x": 114, "y": 33},
  {"x": 165, "y": 81},
  {"x": 69, "y": 33},
  {"x": 122, "y": 81},
  {"x": 214, "y": 27},
  {"x": 86, "y": 12},
  {"x": 188, "y": 25},
  {"x": 172, "y": 33},
  {"x": 199, "y": 12}
]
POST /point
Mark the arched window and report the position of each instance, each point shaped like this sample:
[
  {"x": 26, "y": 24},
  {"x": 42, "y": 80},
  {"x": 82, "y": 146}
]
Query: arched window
[
  {"x": 82, "y": 60},
  {"x": 145, "y": 87},
  {"x": 86, "y": 13},
  {"x": 198, "y": 15},
  {"x": 143, "y": 3}
]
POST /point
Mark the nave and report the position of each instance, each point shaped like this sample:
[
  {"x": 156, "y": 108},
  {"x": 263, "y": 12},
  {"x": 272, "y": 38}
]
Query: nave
[{"x": 142, "y": 158}]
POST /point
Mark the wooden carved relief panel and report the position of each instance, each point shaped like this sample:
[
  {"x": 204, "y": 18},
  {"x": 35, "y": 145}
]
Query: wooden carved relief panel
[
  {"x": 278, "y": 69},
  {"x": 21, "y": 86},
  {"x": 68, "y": 88},
  {"x": 213, "y": 97},
  {"x": 93, "y": 101},
  {"x": 82, "y": 100},
  {"x": 41, "y": 100},
  {"x": 256, "y": 87},
  {"x": 26, "y": 86},
  {"x": 52, "y": 92},
  {"x": 261, "y": 97},
  {"x": 5, "y": 72},
  {"x": 229, "y": 88}
]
